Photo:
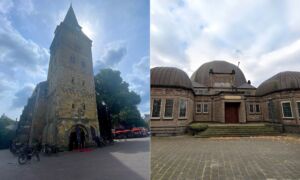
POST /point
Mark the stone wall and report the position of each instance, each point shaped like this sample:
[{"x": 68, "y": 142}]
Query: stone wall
[
  {"x": 253, "y": 116},
  {"x": 176, "y": 94},
  {"x": 39, "y": 112},
  {"x": 72, "y": 99},
  {"x": 277, "y": 115}
]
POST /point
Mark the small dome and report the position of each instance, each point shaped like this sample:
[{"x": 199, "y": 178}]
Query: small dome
[
  {"x": 170, "y": 77},
  {"x": 288, "y": 80},
  {"x": 202, "y": 74}
]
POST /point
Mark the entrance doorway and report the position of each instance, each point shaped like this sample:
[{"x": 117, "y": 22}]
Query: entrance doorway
[
  {"x": 232, "y": 112},
  {"x": 78, "y": 137}
]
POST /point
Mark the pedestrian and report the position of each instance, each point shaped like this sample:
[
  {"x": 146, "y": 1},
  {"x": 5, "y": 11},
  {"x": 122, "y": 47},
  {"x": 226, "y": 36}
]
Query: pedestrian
[
  {"x": 82, "y": 139},
  {"x": 78, "y": 136}
]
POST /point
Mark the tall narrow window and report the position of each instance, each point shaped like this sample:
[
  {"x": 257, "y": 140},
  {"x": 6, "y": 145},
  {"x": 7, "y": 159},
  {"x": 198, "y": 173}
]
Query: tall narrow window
[
  {"x": 72, "y": 80},
  {"x": 298, "y": 107},
  {"x": 73, "y": 106},
  {"x": 198, "y": 108},
  {"x": 83, "y": 106},
  {"x": 205, "y": 108},
  {"x": 169, "y": 108},
  {"x": 156, "y": 108},
  {"x": 286, "y": 109},
  {"x": 72, "y": 59},
  {"x": 182, "y": 108},
  {"x": 270, "y": 110},
  {"x": 251, "y": 108},
  {"x": 257, "y": 108}
]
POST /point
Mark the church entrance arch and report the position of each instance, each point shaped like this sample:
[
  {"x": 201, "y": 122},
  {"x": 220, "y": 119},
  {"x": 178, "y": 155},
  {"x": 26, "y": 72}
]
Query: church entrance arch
[{"x": 78, "y": 136}]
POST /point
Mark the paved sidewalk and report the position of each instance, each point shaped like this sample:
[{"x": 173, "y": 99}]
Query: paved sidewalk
[
  {"x": 124, "y": 160},
  {"x": 244, "y": 158}
]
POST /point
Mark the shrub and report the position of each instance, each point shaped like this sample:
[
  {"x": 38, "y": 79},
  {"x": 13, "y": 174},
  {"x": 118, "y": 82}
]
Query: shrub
[{"x": 197, "y": 127}]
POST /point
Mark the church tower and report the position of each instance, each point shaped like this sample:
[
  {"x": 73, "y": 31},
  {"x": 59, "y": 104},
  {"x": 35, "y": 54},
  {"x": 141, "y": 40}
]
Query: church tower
[{"x": 71, "y": 88}]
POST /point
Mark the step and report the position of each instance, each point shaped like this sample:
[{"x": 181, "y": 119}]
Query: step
[
  {"x": 237, "y": 135},
  {"x": 221, "y": 130}
]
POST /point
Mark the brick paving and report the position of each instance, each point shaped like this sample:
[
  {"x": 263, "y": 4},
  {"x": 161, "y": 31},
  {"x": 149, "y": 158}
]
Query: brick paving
[
  {"x": 225, "y": 158},
  {"x": 124, "y": 160}
]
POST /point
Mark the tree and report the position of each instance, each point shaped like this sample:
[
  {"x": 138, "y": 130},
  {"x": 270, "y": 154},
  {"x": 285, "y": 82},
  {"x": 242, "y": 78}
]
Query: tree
[
  {"x": 7, "y": 131},
  {"x": 122, "y": 103}
]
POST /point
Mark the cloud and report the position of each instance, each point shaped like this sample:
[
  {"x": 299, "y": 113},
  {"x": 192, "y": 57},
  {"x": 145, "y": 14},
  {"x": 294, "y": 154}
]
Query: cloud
[
  {"x": 262, "y": 35},
  {"x": 140, "y": 76},
  {"x": 16, "y": 51},
  {"x": 114, "y": 52},
  {"x": 22, "y": 96},
  {"x": 25, "y": 7},
  {"x": 6, "y": 6},
  {"x": 139, "y": 80},
  {"x": 22, "y": 62},
  {"x": 141, "y": 69}
]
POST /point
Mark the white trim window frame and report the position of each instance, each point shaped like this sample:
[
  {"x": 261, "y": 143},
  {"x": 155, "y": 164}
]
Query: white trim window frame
[
  {"x": 200, "y": 105},
  {"x": 179, "y": 108},
  {"x": 283, "y": 112},
  {"x": 205, "y": 111},
  {"x": 172, "y": 108},
  {"x": 153, "y": 105}
]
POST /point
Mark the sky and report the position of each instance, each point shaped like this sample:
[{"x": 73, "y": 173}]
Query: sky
[
  {"x": 263, "y": 35},
  {"x": 119, "y": 30}
]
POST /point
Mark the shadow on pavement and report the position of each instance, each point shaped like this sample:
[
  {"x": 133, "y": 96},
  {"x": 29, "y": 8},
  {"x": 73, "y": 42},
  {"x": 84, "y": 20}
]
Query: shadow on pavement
[
  {"x": 97, "y": 164},
  {"x": 133, "y": 145}
]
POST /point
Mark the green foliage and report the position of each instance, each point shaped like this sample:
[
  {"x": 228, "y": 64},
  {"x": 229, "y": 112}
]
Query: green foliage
[
  {"x": 197, "y": 127},
  {"x": 121, "y": 102},
  {"x": 6, "y": 134}
]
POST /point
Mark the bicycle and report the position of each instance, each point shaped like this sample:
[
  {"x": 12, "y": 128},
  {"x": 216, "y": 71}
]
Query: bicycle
[
  {"x": 27, "y": 154},
  {"x": 50, "y": 149}
]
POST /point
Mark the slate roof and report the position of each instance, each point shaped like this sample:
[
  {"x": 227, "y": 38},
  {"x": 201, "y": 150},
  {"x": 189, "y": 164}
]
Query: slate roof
[
  {"x": 246, "y": 86},
  {"x": 170, "y": 77},
  {"x": 222, "y": 67},
  {"x": 288, "y": 80},
  {"x": 70, "y": 18}
]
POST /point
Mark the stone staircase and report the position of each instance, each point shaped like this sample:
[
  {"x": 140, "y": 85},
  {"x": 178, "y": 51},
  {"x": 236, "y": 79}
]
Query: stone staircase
[
  {"x": 168, "y": 130},
  {"x": 240, "y": 130}
]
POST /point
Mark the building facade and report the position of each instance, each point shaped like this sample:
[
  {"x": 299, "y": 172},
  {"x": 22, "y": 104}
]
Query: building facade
[
  {"x": 218, "y": 92},
  {"x": 66, "y": 102}
]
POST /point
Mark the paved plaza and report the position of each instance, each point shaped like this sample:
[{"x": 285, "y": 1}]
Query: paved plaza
[
  {"x": 124, "y": 160},
  {"x": 244, "y": 158}
]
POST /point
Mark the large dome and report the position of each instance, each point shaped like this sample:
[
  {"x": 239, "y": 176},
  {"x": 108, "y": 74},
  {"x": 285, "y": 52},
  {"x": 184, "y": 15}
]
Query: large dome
[
  {"x": 170, "y": 77},
  {"x": 202, "y": 74},
  {"x": 288, "y": 80}
]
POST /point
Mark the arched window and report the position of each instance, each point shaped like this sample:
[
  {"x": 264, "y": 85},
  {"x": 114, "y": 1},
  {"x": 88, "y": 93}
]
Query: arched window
[
  {"x": 73, "y": 80},
  {"x": 83, "y": 106},
  {"x": 72, "y": 59}
]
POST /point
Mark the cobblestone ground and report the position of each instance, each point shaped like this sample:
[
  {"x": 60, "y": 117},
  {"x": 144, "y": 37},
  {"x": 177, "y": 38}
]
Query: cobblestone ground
[
  {"x": 225, "y": 158},
  {"x": 124, "y": 160}
]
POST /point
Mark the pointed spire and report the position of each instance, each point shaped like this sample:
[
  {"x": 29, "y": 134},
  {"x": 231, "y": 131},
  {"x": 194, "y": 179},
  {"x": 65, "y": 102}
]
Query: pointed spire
[{"x": 70, "y": 18}]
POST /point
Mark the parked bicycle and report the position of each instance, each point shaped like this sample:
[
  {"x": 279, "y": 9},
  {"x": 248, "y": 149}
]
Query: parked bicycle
[
  {"x": 15, "y": 148},
  {"x": 50, "y": 149},
  {"x": 28, "y": 153}
]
